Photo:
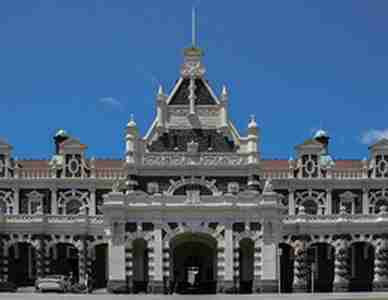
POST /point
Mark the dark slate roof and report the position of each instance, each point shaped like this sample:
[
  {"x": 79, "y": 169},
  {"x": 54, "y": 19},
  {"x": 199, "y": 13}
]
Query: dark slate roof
[{"x": 201, "y": 92}]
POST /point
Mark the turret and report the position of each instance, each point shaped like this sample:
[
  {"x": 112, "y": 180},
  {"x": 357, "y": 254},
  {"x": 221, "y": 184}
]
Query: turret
[
  {"x": 253, "y": 132},
  {"x": 132, "y": 134}
]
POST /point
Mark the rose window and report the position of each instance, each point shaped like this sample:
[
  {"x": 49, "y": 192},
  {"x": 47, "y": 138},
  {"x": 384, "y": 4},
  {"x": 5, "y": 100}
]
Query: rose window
[{"x": 73, "y": 166}]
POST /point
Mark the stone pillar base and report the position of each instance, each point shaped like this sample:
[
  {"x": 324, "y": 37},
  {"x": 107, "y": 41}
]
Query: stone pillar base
[
  {"x": 269, "y": 286},
  {"x": 156, "y": 287},
  {"x": 299, "y": 288},
  {"x": 117, "y": 287},
  {"x": 226, "y": 287},
  {"x": 380, "y": 286},
  {"x": 339, "y": 287}
]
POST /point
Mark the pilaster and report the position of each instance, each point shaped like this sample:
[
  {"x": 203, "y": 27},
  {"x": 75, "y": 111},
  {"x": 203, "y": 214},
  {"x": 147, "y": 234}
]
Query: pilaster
[{"x": 116, "y": 255}]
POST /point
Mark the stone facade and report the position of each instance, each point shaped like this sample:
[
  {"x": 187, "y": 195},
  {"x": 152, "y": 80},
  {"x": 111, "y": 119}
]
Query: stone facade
[{"x": 193, "y": 208}]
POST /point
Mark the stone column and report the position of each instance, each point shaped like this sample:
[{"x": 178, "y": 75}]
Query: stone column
[
  {"x": 116, "y": 255},
  {"x": 54, "y": 204},
  {"x": 156, "y": 283},
  {"x": 380, "y": 280},
  {"x": 329, "y": 202},
  {"x": 291, "y": 202},
  {"x": 16, "y": 201},
  {"x": 269, "y": 278},
  {"x": 2, "y": 257},
  {"x": 228, "y": 283},
  {"x": 220, "y": 265},
  {"x": 82, "y": 257},
  {"x": 92, "y": 206},
  {"x": 341, "y": 266},
  {"x": 300, "y": 268},
  {"x": 236, "y": 265},
  {"x": 166, "y": 266},
  {"x": 365, "y": 202},
  {"x": 38, "y": 245},
  {"x": 129, "y": 267},
  {"x": 257, "y": 267},
  {"x": 5, "y": 260}
]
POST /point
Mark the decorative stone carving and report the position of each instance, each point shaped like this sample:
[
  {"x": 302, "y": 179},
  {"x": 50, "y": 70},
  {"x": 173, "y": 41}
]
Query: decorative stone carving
[
  {"x": 341, "y": 269},
  {"x": 300, "y": 267},
  {"x": 192, "y": 147},
  {"x": 216, "y": 159},
  {"x": 116, "y": 186},
  {"x": 268, "y": 188},
  {"x": 380, "y": 281}
]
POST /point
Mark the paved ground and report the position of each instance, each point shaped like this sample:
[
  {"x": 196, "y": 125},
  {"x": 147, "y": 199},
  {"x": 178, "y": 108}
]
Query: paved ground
[{"x": 49, "y": 296}]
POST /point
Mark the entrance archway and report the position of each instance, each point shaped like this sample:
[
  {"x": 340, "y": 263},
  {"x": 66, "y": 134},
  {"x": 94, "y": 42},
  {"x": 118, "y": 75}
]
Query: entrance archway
[
  {"x": 286, "y": 267},
  {"x": 194, "y": 263},
  {"x": 321, "y": 258},
  {"x": 246, "y": 261},
  {"x": 99, "y": 266},
  {"x": 362, "y": 256},
  {"x": 22, "y": 264},
  {"x": 140, "y": 265},
  {"x": 65, "y": 260}
]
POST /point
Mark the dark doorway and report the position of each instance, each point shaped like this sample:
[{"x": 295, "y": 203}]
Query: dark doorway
[
  {"x": 140, "y": 266},
  {"x": 65, "y": 260},
  {"x": 320, "y": 258},
  {"x": 22, "y": 264},
  {"x": 99, "y": 266},
  {"x": 194, "y": 264},
  {"x": 286, "y": 267},
  {"x": 361, "y": 259},
  {"x": 246, "y": 261}
]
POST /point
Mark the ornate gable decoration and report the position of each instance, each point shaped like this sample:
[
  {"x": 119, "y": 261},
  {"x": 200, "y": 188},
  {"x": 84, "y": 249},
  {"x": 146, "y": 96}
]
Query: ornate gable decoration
[
  {"x": 379, "y": 159},
  {"x": 174, "y": 185}
]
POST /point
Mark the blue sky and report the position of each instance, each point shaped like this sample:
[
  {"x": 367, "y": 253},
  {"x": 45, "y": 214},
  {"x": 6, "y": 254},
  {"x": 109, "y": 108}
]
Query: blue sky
[{"x": 297, "y": 65}]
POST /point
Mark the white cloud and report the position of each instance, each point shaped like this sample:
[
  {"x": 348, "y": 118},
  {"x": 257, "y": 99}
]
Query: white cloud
[
  {"x": 373, "y": 135},
  {"x": 113, "y": 102}
]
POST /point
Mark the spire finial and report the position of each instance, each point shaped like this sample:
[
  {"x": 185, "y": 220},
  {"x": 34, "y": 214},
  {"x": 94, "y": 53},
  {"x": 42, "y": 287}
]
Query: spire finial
[
  {"x": 160, "y": 90},
  {"x": 193, "y": 25},
  {"x": 224, "y": 90}
]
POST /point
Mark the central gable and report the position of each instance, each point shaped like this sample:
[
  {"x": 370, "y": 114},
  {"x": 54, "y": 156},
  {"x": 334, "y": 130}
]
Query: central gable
[{"x": 202, "y": 93}]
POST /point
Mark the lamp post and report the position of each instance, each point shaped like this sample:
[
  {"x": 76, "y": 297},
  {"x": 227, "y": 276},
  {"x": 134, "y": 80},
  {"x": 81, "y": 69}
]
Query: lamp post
[{"x": 279, "y": 254}]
